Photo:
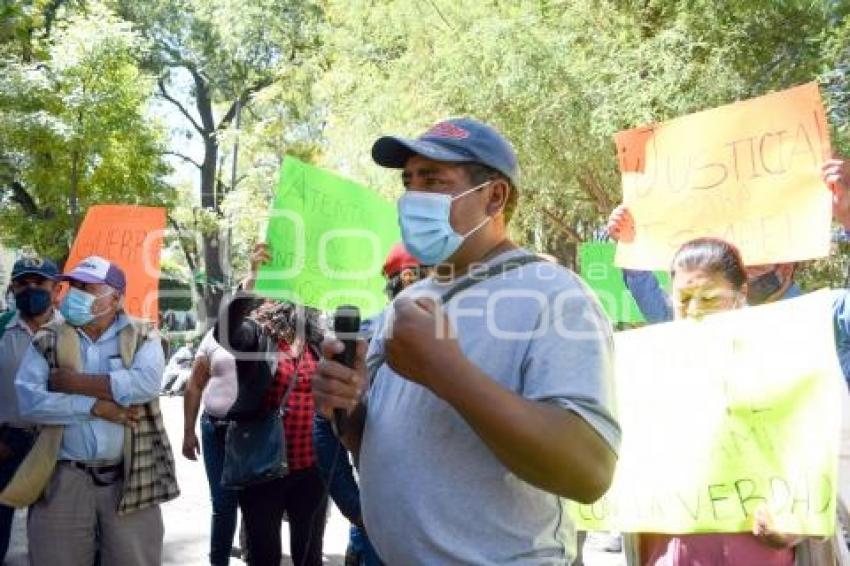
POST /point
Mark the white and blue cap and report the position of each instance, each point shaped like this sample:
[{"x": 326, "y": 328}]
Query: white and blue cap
[
  {"x": 458, "y": 140},
  {"x": 95, "y": 269}
]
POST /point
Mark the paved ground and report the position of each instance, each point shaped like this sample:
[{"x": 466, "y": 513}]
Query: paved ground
[{"x": 186, "y": 519}]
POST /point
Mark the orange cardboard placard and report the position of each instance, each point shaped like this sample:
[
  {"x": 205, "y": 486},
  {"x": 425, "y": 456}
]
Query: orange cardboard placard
[
  {"x": 747, "y": 172},
  {"x": 130, "y": 237}
]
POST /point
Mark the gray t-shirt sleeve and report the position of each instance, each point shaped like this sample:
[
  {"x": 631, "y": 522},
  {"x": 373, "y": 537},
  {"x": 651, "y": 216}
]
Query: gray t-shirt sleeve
[
  {"x": 571, "y": 362},
  {"x": 375, "y": 353}
]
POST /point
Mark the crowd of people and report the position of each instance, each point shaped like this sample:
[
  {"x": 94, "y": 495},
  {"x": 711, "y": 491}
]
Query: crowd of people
[{"x": 465, "y": 421}]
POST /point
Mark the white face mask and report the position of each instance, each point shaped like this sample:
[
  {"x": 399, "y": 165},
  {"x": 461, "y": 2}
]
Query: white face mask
[{"x": 425, "y": 224}]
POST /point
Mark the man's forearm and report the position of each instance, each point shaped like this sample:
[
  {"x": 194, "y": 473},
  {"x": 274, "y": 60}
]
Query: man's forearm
[
  {"x": 352, "y": 434},
  {"x": 545, "y": 445},
  {"x": 89, "y": 385}
]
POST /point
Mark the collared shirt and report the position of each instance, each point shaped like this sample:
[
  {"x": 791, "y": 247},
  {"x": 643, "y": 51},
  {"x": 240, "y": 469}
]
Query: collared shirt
[
  {"x": 13, "y": 345},
  {"x": 86, "y": 437}
]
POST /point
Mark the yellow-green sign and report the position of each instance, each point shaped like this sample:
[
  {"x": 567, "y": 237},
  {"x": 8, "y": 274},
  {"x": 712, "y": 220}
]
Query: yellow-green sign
[{"x": 722, "y": 416}]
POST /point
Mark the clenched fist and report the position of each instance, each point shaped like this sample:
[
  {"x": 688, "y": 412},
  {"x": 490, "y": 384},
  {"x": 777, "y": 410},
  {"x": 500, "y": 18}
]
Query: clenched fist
[{"x": 421, "y": 344}]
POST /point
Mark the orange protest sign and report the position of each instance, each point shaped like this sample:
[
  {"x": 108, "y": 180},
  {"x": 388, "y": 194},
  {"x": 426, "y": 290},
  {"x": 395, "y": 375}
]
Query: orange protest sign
[
  {"x": 748, "y": 173},
  {"x": 130, "y": 237}
]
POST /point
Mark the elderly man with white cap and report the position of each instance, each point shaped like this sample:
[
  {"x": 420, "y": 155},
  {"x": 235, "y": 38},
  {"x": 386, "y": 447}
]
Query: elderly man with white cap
[{"x": 97, "y": 375}]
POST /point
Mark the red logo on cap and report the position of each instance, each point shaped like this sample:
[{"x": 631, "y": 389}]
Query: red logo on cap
[{"x": 447, "y": 130}]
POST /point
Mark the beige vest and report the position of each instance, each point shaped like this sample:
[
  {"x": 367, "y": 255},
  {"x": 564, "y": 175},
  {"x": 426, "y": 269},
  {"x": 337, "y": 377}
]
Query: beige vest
[{"x": 32, "y": 475}]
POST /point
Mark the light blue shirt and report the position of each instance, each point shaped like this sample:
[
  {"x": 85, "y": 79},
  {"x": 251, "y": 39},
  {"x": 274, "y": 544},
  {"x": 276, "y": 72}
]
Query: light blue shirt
[
  {"x": 86, "y": 437},
  {"x": 13, "y": 345}
]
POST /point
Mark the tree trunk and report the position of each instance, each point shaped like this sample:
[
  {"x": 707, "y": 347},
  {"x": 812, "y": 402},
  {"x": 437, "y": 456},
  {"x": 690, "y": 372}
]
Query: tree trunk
[
  {"x": 213, "y": 286},
  {"x": 73, "y": 197}
]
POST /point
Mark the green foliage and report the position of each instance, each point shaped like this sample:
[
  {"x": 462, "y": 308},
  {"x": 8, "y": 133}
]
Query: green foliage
[
  {"x": 322, "y": 79},
  {"x": 75, "y": 122},
  {"x": 559, "y": 78},
  {"x": 216, "y": 60}
]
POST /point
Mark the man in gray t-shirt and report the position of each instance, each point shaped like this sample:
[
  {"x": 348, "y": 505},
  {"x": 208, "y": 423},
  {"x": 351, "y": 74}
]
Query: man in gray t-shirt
[{"x": 475, "y": 420}]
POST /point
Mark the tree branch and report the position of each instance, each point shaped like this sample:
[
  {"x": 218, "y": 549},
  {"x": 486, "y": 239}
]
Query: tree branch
[
  {"x": 561, "y": 226},
  {"x": 185, "y": 158},
  {"x": 591, "y": 185},
  {"x": 50, "y": 11},
  {"x": 179, "y": 106},
  {"x": 180, "y": 237},
  {"x": 27, "y": 203},
  {"x": 243, "y": 100},
  {"x": 440, "y": 14}
]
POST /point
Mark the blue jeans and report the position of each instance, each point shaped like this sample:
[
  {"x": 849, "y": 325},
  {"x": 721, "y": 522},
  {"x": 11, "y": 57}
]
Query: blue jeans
[
  {"x": 362, "y": 547},
  {"x": 224, "y": 502}
]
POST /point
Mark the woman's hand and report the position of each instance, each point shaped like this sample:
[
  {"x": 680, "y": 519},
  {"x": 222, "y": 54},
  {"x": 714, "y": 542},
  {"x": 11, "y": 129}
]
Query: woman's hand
[
  {"x": 621, "y": 225},
  {"x": 259, "y": 256},
  {"x": 191, "y": 446},
  {"x": 765, "y": 531}
]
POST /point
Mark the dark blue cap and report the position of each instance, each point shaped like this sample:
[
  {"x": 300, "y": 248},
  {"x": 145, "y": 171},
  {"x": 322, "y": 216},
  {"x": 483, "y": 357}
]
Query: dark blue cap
[
  {"x": 459, "y": 140},
  {"x": 35, "y": 266}
]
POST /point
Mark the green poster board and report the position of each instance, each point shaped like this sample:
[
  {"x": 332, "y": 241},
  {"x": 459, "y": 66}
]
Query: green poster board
[
  {"x": 596, "y": 265},
  {"x": 328, "y": 238}
]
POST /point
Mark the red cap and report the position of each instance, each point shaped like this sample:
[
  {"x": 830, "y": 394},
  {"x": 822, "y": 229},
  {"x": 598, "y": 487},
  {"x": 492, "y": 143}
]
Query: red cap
[{"x": 397, "y": 260}]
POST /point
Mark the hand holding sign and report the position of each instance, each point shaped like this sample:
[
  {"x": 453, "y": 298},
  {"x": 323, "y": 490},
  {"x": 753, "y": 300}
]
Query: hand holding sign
[
  {"x": 621, "y": 225},
  {"x": 836, "y": 175}
]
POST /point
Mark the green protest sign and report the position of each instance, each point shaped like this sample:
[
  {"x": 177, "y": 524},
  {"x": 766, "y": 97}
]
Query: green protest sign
[
  {"x": 596, "y": 265},
  {"x": 328, "y": 238}
]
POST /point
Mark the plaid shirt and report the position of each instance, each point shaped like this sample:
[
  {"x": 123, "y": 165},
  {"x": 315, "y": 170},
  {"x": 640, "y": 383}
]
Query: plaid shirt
[{"x": 299, "y": 410}]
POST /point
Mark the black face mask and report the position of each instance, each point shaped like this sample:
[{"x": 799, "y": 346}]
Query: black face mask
[
  {"x": 32, "y": 301},
  {"x": 762, "y": 288}
]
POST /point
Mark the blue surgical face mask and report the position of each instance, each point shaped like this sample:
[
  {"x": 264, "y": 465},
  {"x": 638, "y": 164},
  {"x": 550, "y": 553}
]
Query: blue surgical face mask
[
  {"x": 425, "y": 224},
  {"x": 76, "y": 307},
  {"x": 32, "y": 301}
]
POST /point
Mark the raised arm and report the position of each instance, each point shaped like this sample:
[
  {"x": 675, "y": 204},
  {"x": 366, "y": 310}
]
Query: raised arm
[{"x": 651, "y": 299}]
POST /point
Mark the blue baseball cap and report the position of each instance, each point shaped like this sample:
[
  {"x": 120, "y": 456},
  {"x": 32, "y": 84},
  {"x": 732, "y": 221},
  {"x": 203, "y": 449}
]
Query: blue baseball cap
[
  {"x": 35, "y": 266},
  {"x": 458, "y": 140}
]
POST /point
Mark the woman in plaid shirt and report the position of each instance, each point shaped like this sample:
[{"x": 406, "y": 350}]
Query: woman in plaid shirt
[{"x": 294, "y": 331}]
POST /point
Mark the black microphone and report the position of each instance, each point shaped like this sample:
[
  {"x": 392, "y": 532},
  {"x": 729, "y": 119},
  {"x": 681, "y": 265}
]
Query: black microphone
[{"x": 346, "y": 329}]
